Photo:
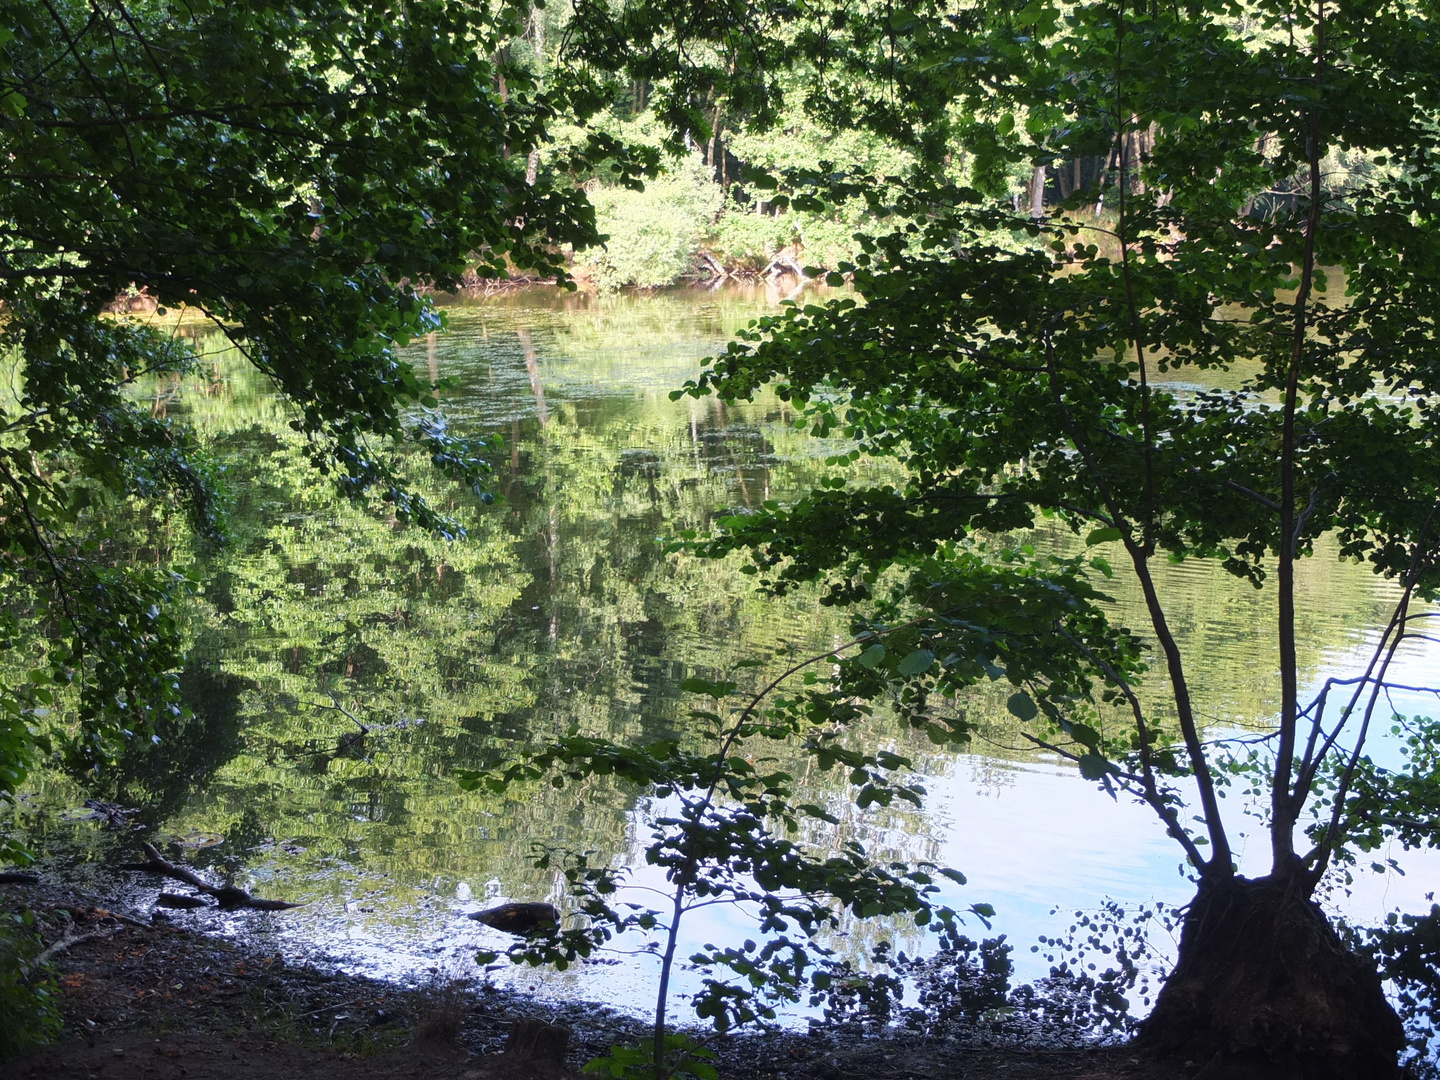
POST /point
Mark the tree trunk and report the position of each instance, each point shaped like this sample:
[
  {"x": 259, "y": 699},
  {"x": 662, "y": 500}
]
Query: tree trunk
[
  {"x": 1037, "y": 192},
  {"x": 1264, "y": 987},
  {"x": 714, "y": 148},
  {"x": 537, "y": 39}
]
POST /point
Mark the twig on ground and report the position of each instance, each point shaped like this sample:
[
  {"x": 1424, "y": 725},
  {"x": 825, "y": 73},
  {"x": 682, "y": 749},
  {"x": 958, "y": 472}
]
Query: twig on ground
[{"x": 70, "y": 942}]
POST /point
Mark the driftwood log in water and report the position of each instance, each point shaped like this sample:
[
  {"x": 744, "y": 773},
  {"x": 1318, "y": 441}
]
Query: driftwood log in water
[
  {"x": 226, "y": 896},
  {"x": 526, "y": 920},
  {"x": 179, "y": 900}
]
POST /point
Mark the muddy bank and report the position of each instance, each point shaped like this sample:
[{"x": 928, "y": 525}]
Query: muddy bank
[{"x": 146, "y": 1000}]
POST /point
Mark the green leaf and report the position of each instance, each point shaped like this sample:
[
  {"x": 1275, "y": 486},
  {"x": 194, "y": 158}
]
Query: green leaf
[
  {"x": 872, "y": 656},
  {"x": 1103, "y": 536},
  {"x": 1020, "y": 704},
  {"x": 916, "y": 662},
  {"x": 709, "y": 688},
  {"x": 1094, "y": 767}
]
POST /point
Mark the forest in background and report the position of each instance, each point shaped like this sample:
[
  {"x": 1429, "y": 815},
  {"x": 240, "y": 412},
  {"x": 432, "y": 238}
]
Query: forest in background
[{"x": 716, "y": 202}]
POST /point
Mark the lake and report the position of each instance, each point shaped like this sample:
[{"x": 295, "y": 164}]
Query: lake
[{"x": 343, "y": 665}]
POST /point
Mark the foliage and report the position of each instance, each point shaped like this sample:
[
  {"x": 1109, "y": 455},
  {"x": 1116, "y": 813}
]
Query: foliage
[
  {"x": 798, "y": 141},
  {"x": 294, "y": 173},
  {"x": 681, "y": 1056},
  {"x": 652, "y": 236},
  {"x": 28, "y": 1013},
  {"x": 829, "y": 239},
  {"x": 558, "y": 609},
  {"x": 297, "y": 174},
  {"x": 965, "y": 987},
  {"x": 1104, "y": 956},
  {"x": 957, "y": 986},
  {"x": 963, "y": 981},
  {"x": 745, "y": 240},
  {"x": 1010, "y": 385},
  {"x": 724, "y": 835},
  {"x": 227, "y": 159},
  {"x": 1407, "y": 949},
  {"x": 1044, "y": 380}
]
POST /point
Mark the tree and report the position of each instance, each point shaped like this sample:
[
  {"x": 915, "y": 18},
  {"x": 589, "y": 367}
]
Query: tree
[
  {"x": 1269, "y": 214},
  {"x": 294, "y": 172},
  {"x": 737, "y": 835}
]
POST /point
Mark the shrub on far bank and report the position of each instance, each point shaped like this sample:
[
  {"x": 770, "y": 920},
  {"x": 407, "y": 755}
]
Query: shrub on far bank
[
  {"x": 654, "y": 235},
  {"x": 829, "y": 239},
  {"x": 744, "y": 241}
]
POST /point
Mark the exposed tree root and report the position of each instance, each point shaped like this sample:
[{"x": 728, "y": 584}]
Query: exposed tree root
[{"x": 1265, "y": 987}]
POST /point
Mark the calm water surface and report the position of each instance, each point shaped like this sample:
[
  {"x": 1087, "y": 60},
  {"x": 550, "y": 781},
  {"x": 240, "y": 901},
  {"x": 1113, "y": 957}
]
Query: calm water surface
[{"x": 561, "y": 609}]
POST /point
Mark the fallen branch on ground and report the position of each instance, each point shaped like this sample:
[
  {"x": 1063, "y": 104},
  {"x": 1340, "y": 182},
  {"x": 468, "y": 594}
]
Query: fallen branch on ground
[
  {"x": 69, "y": 942},
  {"x": 226, "y": 896}
]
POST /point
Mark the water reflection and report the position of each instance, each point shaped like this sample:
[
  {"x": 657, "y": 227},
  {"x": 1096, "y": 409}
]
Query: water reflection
[{"x": 344, "y": 666}]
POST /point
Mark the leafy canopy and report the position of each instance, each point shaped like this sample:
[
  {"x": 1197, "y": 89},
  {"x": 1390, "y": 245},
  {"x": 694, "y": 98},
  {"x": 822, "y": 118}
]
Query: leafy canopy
[
  {"x": 1220, "y": 348},
  {"x": 293, "y": 173}
]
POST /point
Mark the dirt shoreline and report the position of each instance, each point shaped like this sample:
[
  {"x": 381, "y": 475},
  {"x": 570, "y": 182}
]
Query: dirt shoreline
[{"x": 145, "y": 1000}]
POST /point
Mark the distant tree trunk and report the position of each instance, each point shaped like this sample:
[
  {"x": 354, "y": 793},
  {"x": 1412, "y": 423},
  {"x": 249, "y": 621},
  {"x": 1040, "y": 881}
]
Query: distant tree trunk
[
  {"x": 537, "y": 39},
  {"x": 1112, "y": 164},
  {"x": 713, "y": 148},
  {"x": 1037, "y": 192},
  {"x": 1135, "y": 154},
  {"x": 501, "y": 57}
]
